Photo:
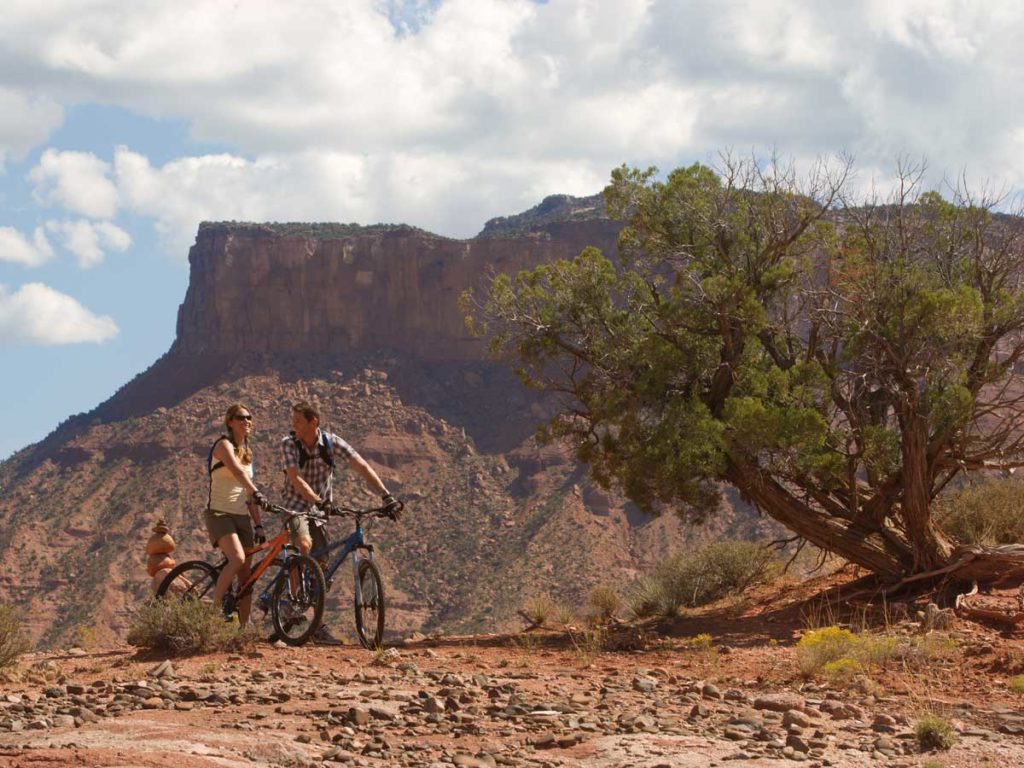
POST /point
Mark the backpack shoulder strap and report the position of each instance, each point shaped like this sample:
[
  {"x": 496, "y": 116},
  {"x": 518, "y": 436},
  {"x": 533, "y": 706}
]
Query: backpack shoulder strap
[
  {"x": 210, "y": 465},
  {"x": 303, "y": 453},
  {"x": 326, "y": 449}
]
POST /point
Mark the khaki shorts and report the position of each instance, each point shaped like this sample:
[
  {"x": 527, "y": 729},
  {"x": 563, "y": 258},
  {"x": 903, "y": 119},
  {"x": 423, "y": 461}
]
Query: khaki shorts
[
  {"x": 219, "y": 524},
  {"x": 301, "y": 529}
]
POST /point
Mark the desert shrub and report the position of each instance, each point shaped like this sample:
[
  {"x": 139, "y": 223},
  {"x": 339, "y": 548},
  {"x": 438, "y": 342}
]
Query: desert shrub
[
  {"x": 14, "y": 640},
  {"x": 699, "y": 643},
  {"x": 603, "y": 603},
  {"x": 876, "y": 650},
  {"x": 1017, "y": 684},
  {"x": 841, "y": 671},
  {"x": 837, "y": 653},
  {"x": 985, "y": 514},
  {"x": 691, "y": 579},
  {"x": 648, "y": 598},
  {"x": 86, "y": 636},
  {"x": 934, "y": 732},
  {"x": 186, "y": 626},
  {"x": 563, "y": 615},
  {"x": 824, "y": 646},
  {"x": 539, "y": 610}
]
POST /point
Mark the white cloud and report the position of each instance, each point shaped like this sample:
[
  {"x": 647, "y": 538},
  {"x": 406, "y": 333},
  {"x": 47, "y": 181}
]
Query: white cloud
[
  {"x": 88, "y": 240},
  {"x": 37, "y": 314},
  {"x": 25, "y": 122},
  {"x": 451, "y": 195},
  {"x": 18, "y": 249},
  {"x": 469, "y": 107},
  {"x": 77, "y": 181}
]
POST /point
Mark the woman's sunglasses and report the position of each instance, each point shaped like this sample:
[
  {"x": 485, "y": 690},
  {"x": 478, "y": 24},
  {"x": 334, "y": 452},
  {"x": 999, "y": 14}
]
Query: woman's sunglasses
[{"x": 245, "y": 417}]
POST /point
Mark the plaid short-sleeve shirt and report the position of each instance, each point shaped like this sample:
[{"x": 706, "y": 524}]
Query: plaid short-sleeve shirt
[{"x": 317, "y": 473}]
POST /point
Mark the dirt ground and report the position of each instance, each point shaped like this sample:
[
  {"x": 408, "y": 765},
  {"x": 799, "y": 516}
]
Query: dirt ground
[{"x": 539, "y": 698}]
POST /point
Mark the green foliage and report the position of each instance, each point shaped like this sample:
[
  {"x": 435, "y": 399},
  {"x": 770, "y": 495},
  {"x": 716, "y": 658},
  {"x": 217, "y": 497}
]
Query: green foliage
[
  {"x": 691, "y": 579},
  {"x": 1017, "y": 684},
  {"x": 14, "y": 640},
  {"x": 823, "y": 361},
  {"x": 987, "y": 513},
  {"x": 934, "y": 732},
  {"x": 185, "y": 627}
]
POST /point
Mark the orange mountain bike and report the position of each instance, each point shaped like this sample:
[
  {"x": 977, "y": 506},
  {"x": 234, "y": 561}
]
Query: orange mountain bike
[{"x": 294, "y": 596}]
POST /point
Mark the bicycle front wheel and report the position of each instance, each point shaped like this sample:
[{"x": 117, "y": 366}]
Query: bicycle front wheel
[
  {"x": 192, "y": 580},
  {"x": 369, "y": 604},
  {"x": 297, "y": 602}
]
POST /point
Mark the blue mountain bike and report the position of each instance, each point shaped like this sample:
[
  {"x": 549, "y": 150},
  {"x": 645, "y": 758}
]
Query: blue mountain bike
[{"x": 369, "y": 589}]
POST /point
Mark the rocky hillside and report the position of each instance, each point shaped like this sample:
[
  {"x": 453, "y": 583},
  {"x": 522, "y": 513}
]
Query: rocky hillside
[{"x": 365, "y": 322}]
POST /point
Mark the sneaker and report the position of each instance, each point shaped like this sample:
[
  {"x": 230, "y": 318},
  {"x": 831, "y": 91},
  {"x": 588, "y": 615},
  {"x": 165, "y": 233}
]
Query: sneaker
[
  {"x": 274, "y": 636},
  {"x": 323, "y": 636}
]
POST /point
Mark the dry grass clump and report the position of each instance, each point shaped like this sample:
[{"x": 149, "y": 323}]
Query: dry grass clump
[
  {"x": 934, "y": 732},
  {"x": 985, "y": 514},
  {"x": 692, "y": 579},
  {"x": 603, "y": 603},
  {"x": 186, "y": 626},
  {"x": 539, "y": 610},
  {"x": 14, "y": 640}
]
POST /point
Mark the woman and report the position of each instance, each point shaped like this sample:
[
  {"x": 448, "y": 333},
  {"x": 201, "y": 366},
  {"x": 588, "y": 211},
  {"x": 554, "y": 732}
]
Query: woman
[{"x": 233, "y": 511}]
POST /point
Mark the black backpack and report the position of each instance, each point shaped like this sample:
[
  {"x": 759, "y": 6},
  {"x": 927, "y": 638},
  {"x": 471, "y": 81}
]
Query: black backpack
[
  {"x": 209, "y": 456},
  {"x": 324, "y": 449}
]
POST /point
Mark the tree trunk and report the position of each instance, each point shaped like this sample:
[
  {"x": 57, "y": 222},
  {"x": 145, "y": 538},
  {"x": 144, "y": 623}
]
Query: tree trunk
[
  {"x": 860, "y": 543},
  {"x": 930, "y": 548}
]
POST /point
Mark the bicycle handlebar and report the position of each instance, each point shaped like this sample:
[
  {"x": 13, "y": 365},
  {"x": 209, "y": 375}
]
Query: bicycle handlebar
[
  {"x": 334, "y": 510},
  {"x": 277, "y": 509}
]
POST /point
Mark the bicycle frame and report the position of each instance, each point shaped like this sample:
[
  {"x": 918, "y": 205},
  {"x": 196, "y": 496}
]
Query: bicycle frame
[
  {"x": 355, "y": 541},
  {"x": 274, "y": 547}
]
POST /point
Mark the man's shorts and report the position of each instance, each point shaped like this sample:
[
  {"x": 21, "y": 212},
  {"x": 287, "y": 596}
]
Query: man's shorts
[
  {"x": 301, "y": 529},
  {"x": 219, "y": 524}
]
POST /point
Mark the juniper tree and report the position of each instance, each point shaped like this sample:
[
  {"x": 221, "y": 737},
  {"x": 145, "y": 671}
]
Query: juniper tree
[{"x": 838, "y": 361}]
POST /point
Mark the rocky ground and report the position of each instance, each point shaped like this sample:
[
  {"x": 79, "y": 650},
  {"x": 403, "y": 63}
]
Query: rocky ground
[{"x": 534, "y": 699}]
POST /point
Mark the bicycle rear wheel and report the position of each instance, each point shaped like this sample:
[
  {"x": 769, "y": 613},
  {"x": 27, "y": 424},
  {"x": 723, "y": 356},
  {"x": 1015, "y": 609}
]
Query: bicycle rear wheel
[
  {"x": 191, "y": 580},
  {"x": 297, "y": 602},
  {"x": 369, "y": 605}
]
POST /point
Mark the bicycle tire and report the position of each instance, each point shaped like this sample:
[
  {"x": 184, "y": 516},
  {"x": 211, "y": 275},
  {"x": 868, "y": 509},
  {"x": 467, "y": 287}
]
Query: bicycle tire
[
  {"x": 291, "y": 609},
  {"x": 191, "y": 580},
  {"x": 369, "y": 605}
]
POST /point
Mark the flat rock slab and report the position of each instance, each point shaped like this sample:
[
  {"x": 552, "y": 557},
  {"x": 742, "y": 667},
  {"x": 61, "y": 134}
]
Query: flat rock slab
[{"x": 780, "y": 702}]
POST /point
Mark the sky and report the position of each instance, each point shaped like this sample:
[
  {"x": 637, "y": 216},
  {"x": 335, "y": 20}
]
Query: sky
[{"x": 123, "y": 125}]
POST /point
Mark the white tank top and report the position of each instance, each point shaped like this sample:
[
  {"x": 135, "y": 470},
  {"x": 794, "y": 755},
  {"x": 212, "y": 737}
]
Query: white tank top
[{"x": 227, "y": 495}]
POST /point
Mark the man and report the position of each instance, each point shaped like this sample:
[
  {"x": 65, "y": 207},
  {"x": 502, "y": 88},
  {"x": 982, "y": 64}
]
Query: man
[{"x": 309, "y": 455}]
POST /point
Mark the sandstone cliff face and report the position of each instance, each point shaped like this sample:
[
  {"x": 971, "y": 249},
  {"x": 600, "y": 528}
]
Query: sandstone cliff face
[{"x": 268, "y": 290}]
